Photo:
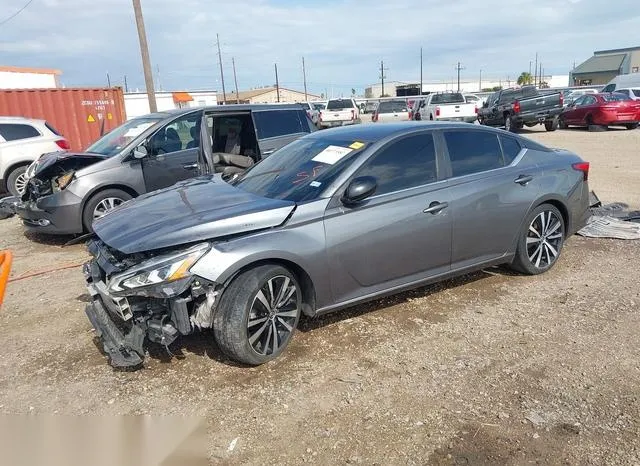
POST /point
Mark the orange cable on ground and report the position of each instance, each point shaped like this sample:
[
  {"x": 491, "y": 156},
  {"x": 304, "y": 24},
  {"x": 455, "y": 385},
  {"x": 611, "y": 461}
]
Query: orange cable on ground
[
  {"x": 5, "y": 268},
  {"x": 44, "y": 272}
]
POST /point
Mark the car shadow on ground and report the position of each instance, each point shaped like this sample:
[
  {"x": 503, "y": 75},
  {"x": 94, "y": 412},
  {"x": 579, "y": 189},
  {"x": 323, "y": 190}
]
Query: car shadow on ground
[
  {"x": 203, "y": 343},
  {"x": 49, "y": 240}
]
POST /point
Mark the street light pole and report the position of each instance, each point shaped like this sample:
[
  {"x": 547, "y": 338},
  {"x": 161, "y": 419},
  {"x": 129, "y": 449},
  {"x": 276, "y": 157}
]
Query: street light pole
[{"x": 146, "y": 60}]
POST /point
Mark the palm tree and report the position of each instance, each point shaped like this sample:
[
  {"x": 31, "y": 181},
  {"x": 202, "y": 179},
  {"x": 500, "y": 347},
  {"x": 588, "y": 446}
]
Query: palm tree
[{"x": 525, "y": 78}]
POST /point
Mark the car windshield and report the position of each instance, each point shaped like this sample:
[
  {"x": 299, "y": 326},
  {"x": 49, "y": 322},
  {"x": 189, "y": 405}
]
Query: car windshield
[
  {"x": 113, "y": 142},
  {"x": 450, "y": 98},
  {"x": 636, "y": 92},
  {"x": 301, "y": 170},
  {"x": 339, "y": 104}
]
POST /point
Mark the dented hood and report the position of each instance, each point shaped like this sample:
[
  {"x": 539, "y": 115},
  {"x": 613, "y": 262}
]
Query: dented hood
[
  {"x": 76, "y": 159},
  {"x": 194, "y": 210}
]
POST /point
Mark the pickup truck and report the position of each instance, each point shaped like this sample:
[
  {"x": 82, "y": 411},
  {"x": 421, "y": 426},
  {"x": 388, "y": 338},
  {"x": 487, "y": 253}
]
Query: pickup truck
[
  {"x": 448, "y": 106},
  {"x": 526, "y": 106},
  {"x": 339, "y": 112}
]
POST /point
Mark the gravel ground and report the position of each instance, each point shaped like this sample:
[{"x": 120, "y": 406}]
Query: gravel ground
[{"x": 490, "y": 368}]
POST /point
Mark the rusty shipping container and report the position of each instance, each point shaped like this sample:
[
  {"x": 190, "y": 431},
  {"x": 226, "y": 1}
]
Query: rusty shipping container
[{"x": 81, "y": 115}]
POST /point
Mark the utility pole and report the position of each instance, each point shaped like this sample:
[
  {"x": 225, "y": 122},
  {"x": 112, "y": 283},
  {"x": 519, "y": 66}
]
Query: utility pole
[
  {"x": 304, "y": 79},
  {"x": 235, "y": 79},
  {"x": 535, "y": 78},
  {"x": 108, "y": 80},
  {"x": 420, "y": 70},
  {"x": 458, "y": 68},
  {"x": 382, "y": 76},
  {"x": 146, "y": 60},
  {"x": 224, "y": 92},
  {"x": 480, "y": 82},
  {"x": 275, "y": 65},
  {"x": 126, "y": 88},
  {"x": 540, "y": 75},
  {"x": 529, "y": 68}
]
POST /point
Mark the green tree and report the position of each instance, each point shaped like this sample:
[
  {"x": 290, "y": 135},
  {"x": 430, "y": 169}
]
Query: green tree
[{"x": 525, "y": 78}]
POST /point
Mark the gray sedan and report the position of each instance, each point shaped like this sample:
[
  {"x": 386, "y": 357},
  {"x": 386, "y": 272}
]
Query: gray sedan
[{"x": 333, "y": 219}]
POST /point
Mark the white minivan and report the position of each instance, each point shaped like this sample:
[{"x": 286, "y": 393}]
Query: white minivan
[{"x": 623, "y": 81}]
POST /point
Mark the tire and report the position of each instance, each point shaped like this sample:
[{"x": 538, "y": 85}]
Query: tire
[
  {"x": 509, "y": 124},
  {"x": 16, "y": 181},
  {"x": 562, "y": 124},
  {"x": 534, "y": 257},
  {"x": 594, "y": 128},
  {"x": 632, "y": 125},
  {"x": 551, "y": 125},
  {"x": 104, "y": 198},
  {"x": 241, "y": 303}
]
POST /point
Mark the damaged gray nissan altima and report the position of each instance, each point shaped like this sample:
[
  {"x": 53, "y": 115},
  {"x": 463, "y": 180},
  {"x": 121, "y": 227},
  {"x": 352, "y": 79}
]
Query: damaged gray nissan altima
[{"x": 333, "y": 219}]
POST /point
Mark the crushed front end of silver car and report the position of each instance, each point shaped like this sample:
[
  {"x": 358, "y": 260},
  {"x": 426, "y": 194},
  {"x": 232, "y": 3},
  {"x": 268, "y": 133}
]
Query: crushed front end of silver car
[{"x": 145, "y": 296}]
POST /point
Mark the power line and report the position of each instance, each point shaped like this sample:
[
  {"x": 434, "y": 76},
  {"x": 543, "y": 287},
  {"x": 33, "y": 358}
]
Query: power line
[{"x": 16, "y": 13}]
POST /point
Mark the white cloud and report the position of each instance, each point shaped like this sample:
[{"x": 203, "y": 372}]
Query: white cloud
[{"x": 343, "y": 41}]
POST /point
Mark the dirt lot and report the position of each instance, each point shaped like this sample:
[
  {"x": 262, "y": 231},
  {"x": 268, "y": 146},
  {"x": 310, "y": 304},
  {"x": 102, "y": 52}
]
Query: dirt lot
[{"x": 492, "y": 368}]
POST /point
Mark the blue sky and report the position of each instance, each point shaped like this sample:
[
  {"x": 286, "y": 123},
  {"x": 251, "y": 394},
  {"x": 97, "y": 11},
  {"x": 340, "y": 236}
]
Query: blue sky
[{"x": 342, "y": 41}]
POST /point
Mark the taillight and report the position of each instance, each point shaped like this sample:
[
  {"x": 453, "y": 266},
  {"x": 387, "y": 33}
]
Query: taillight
[
  {"x": 374, "y": 117},
  {"x": 320, "y": 116},
  {"x": 437, "y": 111},
  {"x": 476, "y": 109},
  {"x": 63, "y": 144},
  {"x": 411, "y": 115},
  {"x": 584, "y": 168},
  {"x": 353, "y": 114},
  {"x": 561, "y": 100},
  {"x": 516, "y": 106}
]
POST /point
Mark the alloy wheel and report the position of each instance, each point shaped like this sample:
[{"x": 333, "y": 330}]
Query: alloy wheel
[
  {"x": 273, "y": 315},
  {"x": 544, "y": 239},
  {"x": 105, "y": 206},
  {"x": 21, "y": 183}
]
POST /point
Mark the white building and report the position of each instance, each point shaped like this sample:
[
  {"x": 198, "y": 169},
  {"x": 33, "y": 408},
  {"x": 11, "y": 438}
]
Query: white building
[
  {"x": 375, "y": 90},
  {"x": 14, "y": 77},
  {"x": 137, "y": 103}
]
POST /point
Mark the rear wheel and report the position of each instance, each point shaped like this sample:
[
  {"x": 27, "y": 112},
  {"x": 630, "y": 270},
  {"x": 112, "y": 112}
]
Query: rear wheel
[
  {"x": 551, "y": 125},
  {"x": 101, "y": 203},
  {"x": 17, "y": 181},
  {"x": 561, "y": 123},
  {"x": 509, "y": 124},
  {"x": 541, "y": 241},
  {"x": 593, "y": 128},
  {"x": 258, "y": 314},
  {"x": 632, "y": 125}
]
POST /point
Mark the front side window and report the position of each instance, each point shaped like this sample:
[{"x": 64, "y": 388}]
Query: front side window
[
  {"x": 589, "y": 100},
  {"x": 178, "y": 135},
  {"x": 609, "y": 88},
  {"x": 473, "y": 152},
  {"x": 579, "y": 101},
  {"x": 274, "y": 123},
  {"x": 404, "y": 164},
  {"x": 14, "y": 132}
]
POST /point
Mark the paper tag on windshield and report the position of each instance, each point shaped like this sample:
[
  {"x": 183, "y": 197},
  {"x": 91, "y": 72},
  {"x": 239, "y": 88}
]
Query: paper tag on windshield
[
  {"x": 332, "y": 154},
  {"x": 138, "y": 130}
]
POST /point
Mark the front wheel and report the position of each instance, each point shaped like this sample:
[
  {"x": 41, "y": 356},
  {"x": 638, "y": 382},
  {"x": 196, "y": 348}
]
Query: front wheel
[
  {"x": 632, "y": 125},
  {"x": 540, "y": 241},
  {"x": 100, "y": 204},
  {"x": 551, "y": 125},
  {"x": 258, "y": 314},
  {"x": 562, "y": 124},
  {"x": 17, "y": 181}
]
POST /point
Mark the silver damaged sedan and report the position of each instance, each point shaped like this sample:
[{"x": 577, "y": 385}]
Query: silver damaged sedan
[{"x": 331, "y": 220}]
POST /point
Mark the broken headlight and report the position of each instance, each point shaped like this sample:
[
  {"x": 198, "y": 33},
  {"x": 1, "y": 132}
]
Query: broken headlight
[
  {"x": 163, "y": 276},
  {"x": 62, "y": 181}
]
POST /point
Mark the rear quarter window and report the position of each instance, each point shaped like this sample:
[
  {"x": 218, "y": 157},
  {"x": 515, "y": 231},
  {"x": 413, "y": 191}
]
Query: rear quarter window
[
  {"x": 274, "y": 123},
  {"x": 14, "y": 132},
  {"x": 510, "y": 149},
  {"x": 51, "y": 128}
]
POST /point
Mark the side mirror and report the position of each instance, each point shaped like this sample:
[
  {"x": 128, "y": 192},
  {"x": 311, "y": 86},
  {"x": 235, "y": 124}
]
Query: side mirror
[
  {"x": 359, "y": 189},
  {"x": 140, "y": 152}
]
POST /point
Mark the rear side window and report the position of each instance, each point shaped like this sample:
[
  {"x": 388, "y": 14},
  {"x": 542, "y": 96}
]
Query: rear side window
[
  {"x": 13, "y": 132},
  {"x": 51, "y": 128},
  {"x": 403, "y": 164},
  {"x": 473, "y": 151},
  {"x": 636, "y": 92},
  {"x": 274, "y": 123},
  {"x": 510, "y": 149},
  {"x": 385, "y": 107}
]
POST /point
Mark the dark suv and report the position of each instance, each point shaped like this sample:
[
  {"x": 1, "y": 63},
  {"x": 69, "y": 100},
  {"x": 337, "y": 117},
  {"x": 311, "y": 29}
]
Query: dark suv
[{"x": 67, "y": 191}]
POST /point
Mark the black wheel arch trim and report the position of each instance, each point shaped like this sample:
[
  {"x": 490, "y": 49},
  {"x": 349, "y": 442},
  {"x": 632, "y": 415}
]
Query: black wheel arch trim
[{"x": 555, "y": 201}]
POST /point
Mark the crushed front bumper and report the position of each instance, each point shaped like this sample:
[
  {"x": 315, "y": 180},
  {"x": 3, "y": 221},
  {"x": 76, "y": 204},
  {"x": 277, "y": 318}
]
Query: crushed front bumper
[{"x": 58, "y": 213}]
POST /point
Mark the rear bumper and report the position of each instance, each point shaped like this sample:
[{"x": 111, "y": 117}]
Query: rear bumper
[
  {"x": 59, "y": 213},
  {"x": 333, "y": 124},
  {"x": 466, "y": 119},
  {"x": 537, "y": 117}
]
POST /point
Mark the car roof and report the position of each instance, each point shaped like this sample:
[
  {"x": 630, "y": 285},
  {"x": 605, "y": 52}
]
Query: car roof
[
  {"x": 19, "y": 119},
  {"x": 222, "y": 109},
  {"x": 377, "y": 132}
]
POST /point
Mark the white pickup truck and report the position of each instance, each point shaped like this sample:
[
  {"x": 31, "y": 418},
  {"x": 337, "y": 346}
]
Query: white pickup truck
[
  {"x": 339, "y": 112},
  {"x": 447, "y": 106}
]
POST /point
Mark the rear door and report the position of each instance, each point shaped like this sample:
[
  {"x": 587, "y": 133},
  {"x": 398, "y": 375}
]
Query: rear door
[
  {"x": 490, "y": 192},
  {"x": 276, "y": 128},
  {"x": 173, "y": 152}
]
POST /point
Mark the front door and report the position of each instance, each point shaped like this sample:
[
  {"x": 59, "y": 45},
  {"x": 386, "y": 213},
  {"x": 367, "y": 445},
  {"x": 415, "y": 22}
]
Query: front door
[
  {"x": 173, "y": 152},
  {"x": 490, "y": 195},
  {"x": 402, "y": 233}
]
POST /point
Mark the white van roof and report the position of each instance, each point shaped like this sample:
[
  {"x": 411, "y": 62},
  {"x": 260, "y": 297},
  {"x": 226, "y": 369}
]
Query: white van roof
[{"x": 626, "y": 80}]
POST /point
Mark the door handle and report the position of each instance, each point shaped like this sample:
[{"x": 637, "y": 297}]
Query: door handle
[
  {"x": 190, "y": 166},
  {"x": 435, "y": 207},
  {"x": 523, "y": 179}
]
